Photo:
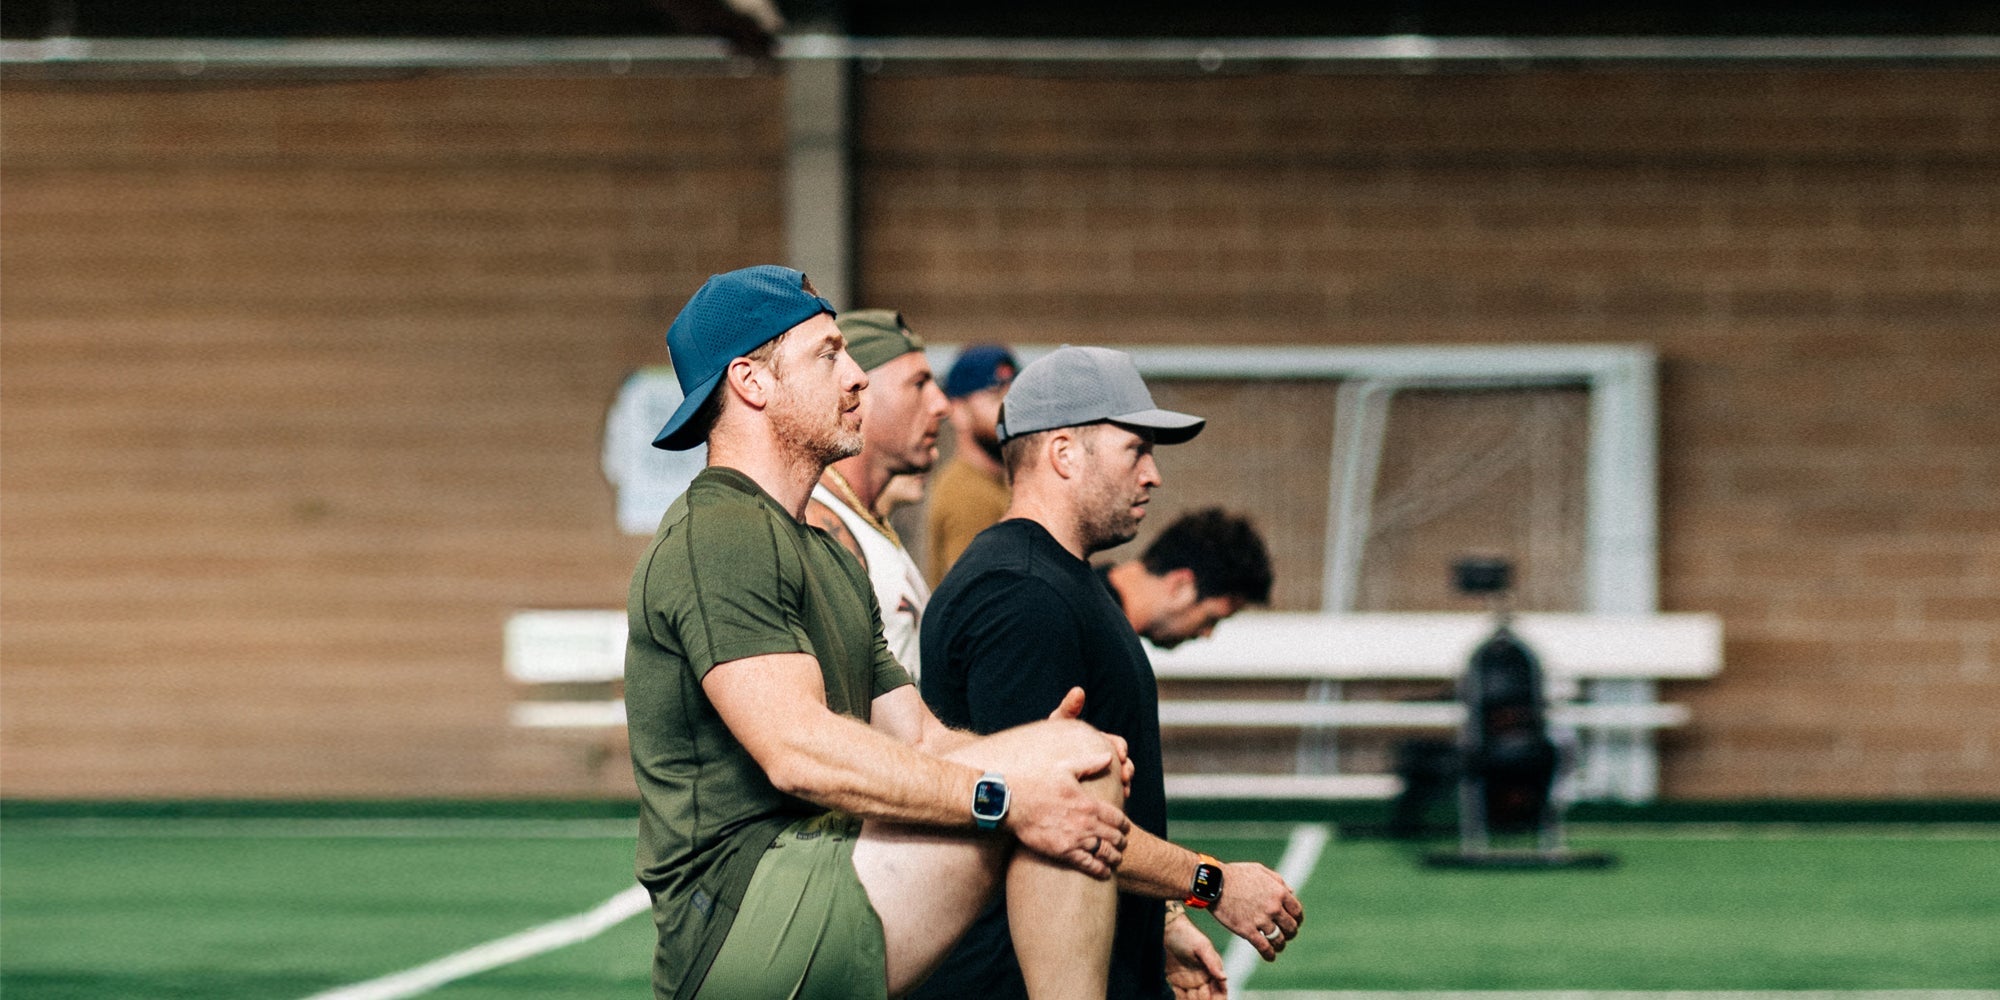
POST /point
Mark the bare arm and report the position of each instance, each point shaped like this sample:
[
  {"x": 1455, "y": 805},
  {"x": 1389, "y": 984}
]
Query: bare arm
[
  {"x": 1254, "y": 898},
  {"x": 903, "y": 714},
  {"x": 775, "y": 705}
]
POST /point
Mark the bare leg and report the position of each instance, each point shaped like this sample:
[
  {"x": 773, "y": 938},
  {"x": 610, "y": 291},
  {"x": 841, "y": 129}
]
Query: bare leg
[
  {"x": 1062, "y": 922},
  {"x": 928, "y": 884}
]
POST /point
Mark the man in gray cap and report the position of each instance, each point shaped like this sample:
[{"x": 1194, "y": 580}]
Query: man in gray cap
[
  {"x": 1021, "y": 619},
  {"x": 807, "y": 827},
  {"x": 900, "y": 416}
]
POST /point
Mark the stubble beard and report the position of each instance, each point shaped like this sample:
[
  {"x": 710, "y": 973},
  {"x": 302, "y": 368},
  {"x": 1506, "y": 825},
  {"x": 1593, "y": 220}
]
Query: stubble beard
[
  {"x": 988, "y": 440},
  {"x": 811, "y": 437},
  {"x": 1107, "y": 521}
]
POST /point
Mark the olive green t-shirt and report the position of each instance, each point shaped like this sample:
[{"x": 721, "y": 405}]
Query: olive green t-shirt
[{"x": 730, "y": 574}]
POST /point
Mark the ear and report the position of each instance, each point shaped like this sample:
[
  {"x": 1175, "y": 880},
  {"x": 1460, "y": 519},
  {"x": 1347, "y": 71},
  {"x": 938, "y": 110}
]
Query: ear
[
  {"x": 1064, "y": 452},
  {"x": 1181, "y": 586},
  {"x": 750, "y": 381}
]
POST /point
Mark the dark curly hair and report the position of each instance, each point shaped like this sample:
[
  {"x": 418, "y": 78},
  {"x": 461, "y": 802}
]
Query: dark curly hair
[{"x": 1225, "y": 552}]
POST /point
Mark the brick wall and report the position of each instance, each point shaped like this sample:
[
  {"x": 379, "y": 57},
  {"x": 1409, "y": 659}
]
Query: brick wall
[
  {"x": 304, "y": 388},
  {"x": 304, "y": 383},
  {"x": 1815, "y": 254}
]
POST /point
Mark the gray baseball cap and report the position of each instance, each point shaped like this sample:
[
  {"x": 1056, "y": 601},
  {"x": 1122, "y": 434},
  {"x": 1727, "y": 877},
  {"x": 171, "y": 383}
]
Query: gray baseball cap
[{"x": 1073, "y": 386}]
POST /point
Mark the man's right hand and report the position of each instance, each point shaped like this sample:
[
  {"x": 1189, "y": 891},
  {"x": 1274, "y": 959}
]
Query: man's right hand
[
  {"x": 1258, "y": 907},
  {"x": 1072, "y": 708},
  {"x": 1052, "y": 814}
]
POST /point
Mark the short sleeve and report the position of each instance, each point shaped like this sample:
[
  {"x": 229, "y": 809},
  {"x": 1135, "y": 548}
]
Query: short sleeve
[
  {"x": 890, "y": 673},
  {"x": 1022, "y": 653},
  {"x": 724, "y": 589}
]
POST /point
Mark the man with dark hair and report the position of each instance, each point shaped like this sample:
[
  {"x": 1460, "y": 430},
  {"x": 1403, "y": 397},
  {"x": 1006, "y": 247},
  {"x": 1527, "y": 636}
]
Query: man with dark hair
[
  {"x": 1207, "y": 565},
  {"x": 807, "y": 827},
  {"x": 1021, "y": 619}
]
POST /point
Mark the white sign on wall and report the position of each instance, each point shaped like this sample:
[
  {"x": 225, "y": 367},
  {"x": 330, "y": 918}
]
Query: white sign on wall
[{"x": 647, "y": 479}]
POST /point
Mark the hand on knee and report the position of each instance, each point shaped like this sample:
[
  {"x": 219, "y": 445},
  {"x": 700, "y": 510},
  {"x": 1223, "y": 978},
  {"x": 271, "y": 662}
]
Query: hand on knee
[{"x": 1054, "y": 813}]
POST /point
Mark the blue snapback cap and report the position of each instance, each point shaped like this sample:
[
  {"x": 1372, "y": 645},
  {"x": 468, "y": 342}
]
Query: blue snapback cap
[
  {"x": 979, "y": 367},
  {"x": 729, "y": 316}
]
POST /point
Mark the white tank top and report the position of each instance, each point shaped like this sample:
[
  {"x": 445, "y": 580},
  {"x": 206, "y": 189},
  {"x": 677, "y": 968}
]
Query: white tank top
[{"x": 898, "y": 583}]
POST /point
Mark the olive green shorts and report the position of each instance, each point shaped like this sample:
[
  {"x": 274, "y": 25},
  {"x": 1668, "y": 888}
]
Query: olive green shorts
[{"x": 806, "y": 929}]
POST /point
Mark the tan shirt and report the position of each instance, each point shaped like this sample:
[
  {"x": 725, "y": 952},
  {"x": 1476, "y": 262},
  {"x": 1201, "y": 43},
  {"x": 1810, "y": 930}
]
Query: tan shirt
[{"x": 964, "y": 502}]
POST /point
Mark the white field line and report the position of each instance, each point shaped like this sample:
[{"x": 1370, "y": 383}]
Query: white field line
[
  {"x": 1301, "y": 856},
  {"x": 502, "y": 951},
  {"x": 1623, "y": 995}
]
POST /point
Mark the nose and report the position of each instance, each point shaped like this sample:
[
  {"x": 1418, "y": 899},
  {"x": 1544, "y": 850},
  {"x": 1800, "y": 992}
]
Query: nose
[
  {"x": 938, "y": 404},
  {"x": 852, "y": 375},
  {"x": 1149, "y": 471}
]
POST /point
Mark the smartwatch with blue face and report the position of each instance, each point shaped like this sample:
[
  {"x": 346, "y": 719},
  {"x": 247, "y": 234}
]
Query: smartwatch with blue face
[{"x": 989, "y": 801}]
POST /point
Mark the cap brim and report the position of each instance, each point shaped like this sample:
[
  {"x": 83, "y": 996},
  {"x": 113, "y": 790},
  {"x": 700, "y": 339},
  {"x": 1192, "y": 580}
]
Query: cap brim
[
  {"x": 1167, "y": 426},
  {"x": 677, "y": 435}
]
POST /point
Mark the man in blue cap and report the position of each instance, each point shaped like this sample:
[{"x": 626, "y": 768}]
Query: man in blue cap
[
  {"x": 970, "y": 492},
  {"x": 807, "y": 827}
]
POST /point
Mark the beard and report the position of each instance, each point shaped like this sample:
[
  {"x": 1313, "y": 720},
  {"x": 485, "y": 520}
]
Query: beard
[
  {"x": 1108, "y": 520},
  {"x": 988, "y": 440},
  {"x": 814, "y": 431}
]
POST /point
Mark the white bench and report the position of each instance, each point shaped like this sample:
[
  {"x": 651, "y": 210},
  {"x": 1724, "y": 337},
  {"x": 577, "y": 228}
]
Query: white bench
[
  {"x": 1581, "y": 656},
  {"x": 573, "y": 660}
]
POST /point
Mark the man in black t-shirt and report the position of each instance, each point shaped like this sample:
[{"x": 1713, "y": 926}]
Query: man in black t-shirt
[{"x": 1021, "y": 619}]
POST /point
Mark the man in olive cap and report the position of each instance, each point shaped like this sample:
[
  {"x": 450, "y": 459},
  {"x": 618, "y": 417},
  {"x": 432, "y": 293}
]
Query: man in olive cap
[
  {"x": 900, "y": 416},
  {"x": 807, "y": 827}
]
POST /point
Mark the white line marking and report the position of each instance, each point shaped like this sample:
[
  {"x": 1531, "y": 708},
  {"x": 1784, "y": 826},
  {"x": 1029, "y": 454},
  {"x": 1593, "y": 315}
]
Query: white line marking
[
  {"x": 1623, "y": 995},
  {"x": 1222, "y": 829},
  {"x": 1301, "y": 855},
  {"x": 502, "y": 951}
]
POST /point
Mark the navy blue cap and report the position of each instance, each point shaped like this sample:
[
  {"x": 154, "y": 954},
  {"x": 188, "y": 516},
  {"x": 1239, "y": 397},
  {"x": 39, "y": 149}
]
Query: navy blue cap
[
  {"x": 729, "y": 316},
  {"x": 980, "y": 367}
]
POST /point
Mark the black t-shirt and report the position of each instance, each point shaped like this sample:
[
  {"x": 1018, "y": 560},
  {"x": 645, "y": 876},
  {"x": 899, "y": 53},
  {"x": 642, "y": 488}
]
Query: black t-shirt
[{"x": 1016, "y": 623}]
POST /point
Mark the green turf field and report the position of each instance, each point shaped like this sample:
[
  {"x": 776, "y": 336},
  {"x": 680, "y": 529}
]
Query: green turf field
[{"x": 266, "y": 907}]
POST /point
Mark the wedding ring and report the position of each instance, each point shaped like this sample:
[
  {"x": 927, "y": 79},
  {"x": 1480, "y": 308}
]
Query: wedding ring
[{"x": 1274, "y": 935}]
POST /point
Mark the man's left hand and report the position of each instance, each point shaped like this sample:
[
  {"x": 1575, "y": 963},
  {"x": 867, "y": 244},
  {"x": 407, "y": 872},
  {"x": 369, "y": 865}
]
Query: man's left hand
[{"x": 1194, "y": 968}]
